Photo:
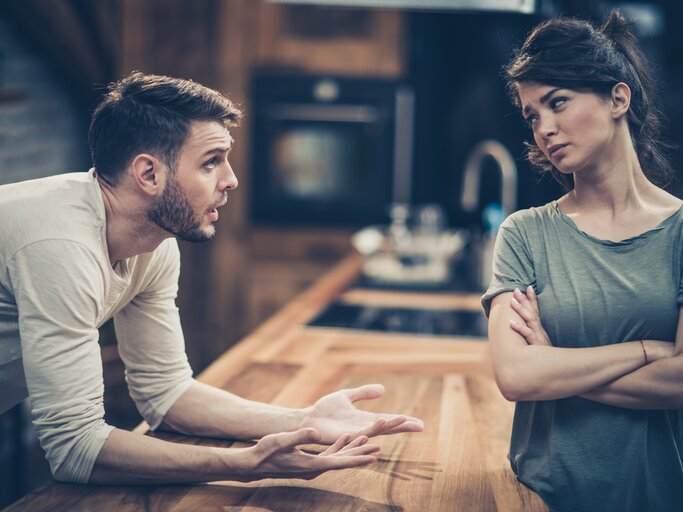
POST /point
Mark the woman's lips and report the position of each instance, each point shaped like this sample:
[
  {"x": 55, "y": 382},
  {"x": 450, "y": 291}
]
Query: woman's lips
[{"x": 556, "y": 149}]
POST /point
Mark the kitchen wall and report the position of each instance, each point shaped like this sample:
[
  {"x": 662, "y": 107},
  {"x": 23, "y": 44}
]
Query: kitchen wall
[{"x": 42, "y": 129}]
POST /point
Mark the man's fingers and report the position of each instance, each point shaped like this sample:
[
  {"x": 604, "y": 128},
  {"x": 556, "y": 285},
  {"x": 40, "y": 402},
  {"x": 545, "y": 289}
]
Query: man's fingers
[
  {"x": 408, "y": 426},
  {"x": 376, "y": 428},
  {"x": 359, "y": 441},
  {"x": 367, "y": 392},
  {"x": 394, "y": 422},
  {"x": 394, "y": 425},
  {"x": 289, "y": 440},
  {"x": 347, "y": 461},
  {"x": 345, "y": 442},
  {"x": 357, "y": 451},
  {"x": 341, "y": 442}
]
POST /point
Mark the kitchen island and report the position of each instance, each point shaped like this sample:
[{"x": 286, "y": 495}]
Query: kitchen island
[{"x": 459, "y": 463}]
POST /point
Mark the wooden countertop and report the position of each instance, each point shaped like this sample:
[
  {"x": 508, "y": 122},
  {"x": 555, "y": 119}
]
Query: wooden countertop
[{"x": 459, "y": 463}]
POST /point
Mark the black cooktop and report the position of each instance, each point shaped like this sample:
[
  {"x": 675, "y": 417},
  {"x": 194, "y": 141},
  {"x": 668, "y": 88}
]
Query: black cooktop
[{"x": 442, "y": 322}]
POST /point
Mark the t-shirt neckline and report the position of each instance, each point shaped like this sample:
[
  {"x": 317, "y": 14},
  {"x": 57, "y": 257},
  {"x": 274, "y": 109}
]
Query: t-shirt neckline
[{"x": 627, "y": 241}]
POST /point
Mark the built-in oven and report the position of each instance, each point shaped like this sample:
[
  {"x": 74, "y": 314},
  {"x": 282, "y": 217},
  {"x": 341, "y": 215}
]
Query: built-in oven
[{"x": 329, "y": 150}]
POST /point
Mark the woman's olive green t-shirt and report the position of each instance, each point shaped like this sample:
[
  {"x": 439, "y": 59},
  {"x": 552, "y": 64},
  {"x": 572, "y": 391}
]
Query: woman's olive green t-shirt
[{"x": 580, "y": 455}]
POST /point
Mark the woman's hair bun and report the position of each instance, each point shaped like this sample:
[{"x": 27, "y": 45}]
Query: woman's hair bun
[
  {"x": 621, "y": 32},
  {"x": 617, "y": 26}
]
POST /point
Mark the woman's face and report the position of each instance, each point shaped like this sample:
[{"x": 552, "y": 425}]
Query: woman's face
[{"x": 572, "y": 128}]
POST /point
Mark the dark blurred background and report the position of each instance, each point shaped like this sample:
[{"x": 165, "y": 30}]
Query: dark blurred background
[{"x": 307, "y": 77}]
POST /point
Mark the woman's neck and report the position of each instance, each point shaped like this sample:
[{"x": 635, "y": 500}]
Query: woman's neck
[{"x": 615, "y": 183}]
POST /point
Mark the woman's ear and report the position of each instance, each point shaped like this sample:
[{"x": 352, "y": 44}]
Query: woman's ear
[
  {"x": 621, "y": 99},
  {"x": 148, "y": 174}
]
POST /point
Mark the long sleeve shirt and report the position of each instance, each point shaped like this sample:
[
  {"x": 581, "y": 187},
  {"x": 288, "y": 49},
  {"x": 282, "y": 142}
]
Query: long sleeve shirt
[{"x": 57, "y": 287}]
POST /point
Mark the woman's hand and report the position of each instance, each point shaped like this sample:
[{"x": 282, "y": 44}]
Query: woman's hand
[
  {"x": 278, "y": 455},
  {"x": 335, "y": 414},
  {"x": 526, "y": 306}
]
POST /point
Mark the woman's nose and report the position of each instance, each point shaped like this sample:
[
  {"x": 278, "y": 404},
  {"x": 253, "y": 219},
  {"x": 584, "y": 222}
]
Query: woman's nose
[{"x": 547, "y": 127}]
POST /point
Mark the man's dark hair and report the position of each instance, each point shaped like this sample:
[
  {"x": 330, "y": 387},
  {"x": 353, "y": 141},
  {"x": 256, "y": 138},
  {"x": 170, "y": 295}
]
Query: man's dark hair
[{"x": 150, "y": 114}]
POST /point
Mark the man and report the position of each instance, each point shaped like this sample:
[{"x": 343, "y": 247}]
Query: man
[{"x": 77, "y": 249}]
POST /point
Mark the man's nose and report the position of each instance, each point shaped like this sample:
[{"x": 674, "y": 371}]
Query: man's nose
[{"x": 229, "y": 180}]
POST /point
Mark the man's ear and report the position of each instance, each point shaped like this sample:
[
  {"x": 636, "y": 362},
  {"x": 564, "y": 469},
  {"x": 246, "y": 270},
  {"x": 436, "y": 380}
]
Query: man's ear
[
  {"x": 148, "y": 173},
  {"x": 621, "y": 99}
]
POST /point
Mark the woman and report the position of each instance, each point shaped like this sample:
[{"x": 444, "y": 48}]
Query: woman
[{"x": 584, "y": 305}]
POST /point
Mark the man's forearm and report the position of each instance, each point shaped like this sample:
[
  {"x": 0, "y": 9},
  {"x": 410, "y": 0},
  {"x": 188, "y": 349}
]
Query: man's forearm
[
  {"x": 658, "y": 385},
  {"x": 207, "y": 411},
  {"x": 128, "y": 458}
]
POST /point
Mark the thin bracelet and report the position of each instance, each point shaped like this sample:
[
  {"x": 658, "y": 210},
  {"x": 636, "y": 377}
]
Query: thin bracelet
[{"x": 644, "y": 352}]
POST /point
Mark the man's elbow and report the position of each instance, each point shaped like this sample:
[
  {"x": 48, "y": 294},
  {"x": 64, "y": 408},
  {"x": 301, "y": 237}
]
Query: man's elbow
[
  {"x": 63, "y": 472},
  {"x": 72, "y": 457}
]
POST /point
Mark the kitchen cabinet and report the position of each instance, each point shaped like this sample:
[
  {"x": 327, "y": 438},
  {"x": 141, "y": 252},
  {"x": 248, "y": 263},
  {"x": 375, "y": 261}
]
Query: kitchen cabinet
[
  {"x": 284, "y": 261},
  {"x": 332, "y": 40}
]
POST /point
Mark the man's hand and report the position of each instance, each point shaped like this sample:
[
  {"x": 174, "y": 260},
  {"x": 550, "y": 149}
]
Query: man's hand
[
  {"x": 526, "y": 306},
  {"x": 334, "y": 415},
  {"x": 278, "y": 455}
]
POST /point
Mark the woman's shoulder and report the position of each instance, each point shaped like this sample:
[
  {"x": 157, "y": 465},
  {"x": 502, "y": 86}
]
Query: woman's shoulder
[{"x": 531, "y": 217}]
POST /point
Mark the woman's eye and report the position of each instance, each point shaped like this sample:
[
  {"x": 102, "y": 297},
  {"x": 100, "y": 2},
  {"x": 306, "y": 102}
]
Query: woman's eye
[
  {"x": 556, "y": 102},
  {"x": 211, "y": 163},
  {"x": 531, "y": 120}
]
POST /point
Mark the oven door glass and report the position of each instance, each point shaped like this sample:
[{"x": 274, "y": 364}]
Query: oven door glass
[
  {"x": 323, "y": 164},
  {"x": 320, "y": 163}
]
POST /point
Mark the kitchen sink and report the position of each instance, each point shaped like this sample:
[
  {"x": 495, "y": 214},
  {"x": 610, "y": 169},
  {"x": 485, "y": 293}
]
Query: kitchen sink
[{"x": 438, "y": 322}]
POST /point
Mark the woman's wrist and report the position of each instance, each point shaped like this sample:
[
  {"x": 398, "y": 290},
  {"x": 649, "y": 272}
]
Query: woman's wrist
[
  {"x": 656, "y": 350},
  {"x": 642, "y": 345}
]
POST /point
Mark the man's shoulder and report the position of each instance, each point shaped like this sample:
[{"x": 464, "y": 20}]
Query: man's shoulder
[
  {"x": 63, "y": 207},
  {"x": 38, "y": 187}
]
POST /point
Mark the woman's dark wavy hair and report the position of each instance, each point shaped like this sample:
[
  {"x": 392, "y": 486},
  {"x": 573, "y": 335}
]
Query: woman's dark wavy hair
[
  {"x": 150, "y": 114},
  {"x": 573, "y": 54}
]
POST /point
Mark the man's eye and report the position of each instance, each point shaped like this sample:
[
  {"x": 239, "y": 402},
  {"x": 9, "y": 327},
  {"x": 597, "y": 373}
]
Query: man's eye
[{"x": 211, "y": 163}]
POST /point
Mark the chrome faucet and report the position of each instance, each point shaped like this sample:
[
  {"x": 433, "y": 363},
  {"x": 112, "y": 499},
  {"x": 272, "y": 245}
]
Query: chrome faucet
[{"x": 473, "y": 168}]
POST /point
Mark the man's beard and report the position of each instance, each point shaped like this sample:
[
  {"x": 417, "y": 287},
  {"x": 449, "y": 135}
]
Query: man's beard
[{"x": 173, "y": 212}]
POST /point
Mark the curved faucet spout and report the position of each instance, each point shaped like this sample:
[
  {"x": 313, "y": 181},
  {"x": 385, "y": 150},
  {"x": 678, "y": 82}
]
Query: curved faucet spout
[{"x": 472, "y": 178}]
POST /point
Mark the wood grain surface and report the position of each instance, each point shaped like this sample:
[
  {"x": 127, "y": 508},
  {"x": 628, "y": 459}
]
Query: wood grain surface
[{"x": 459, "y": 463}]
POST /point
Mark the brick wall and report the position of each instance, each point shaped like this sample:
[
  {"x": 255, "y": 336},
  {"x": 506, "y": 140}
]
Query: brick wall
[{"x": 43, "y": 132}]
